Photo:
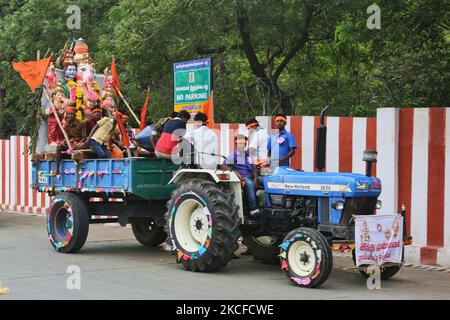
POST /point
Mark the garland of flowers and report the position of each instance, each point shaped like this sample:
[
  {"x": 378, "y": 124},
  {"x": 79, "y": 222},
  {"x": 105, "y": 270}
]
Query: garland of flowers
[
  {"x": 79, "y": 104},
  {"x": 78, "y": 98}
]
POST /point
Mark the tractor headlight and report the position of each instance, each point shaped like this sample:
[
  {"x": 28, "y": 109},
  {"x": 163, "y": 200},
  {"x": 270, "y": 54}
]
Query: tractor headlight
[
  {"x": 378, "y": 205},
  {"x": 338, "y": 205}
]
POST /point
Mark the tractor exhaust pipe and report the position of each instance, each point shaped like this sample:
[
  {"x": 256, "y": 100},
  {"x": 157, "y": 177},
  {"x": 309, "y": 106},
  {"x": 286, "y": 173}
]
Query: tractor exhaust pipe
[
  {"x": 369, "y": 156},
  {"x": 321, "y": 145}
]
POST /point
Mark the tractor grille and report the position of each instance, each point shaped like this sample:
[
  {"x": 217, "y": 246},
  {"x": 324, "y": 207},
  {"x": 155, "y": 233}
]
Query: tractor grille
[{"x": 358, "y": 206}]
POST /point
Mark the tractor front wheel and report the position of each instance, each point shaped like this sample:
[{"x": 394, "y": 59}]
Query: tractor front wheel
[{"x": 306, "y": 257}]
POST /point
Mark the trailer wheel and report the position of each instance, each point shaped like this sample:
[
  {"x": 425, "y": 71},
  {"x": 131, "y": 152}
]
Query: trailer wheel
[
  {"x": 67, "y": 223},
  {"x": 148, "y": 233},
  {"x": 203, "y": 225},
  {"x": 386, "y": 273},
  {"x": 306, "y": 257},
  {"x": 264, "y": 248}
]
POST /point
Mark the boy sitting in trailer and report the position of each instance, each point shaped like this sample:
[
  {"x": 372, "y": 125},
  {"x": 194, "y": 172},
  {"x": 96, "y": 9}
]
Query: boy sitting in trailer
[{"x": 100, "y": 137}]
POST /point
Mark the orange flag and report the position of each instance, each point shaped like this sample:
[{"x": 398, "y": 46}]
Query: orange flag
[
  {"x": 115, "y": 76},
  {"x": 208, "y": 109},
  {"x": 33, "y": 72},
  {"x": 144, "y": 111},
  {"x": 123, "y": 132}
]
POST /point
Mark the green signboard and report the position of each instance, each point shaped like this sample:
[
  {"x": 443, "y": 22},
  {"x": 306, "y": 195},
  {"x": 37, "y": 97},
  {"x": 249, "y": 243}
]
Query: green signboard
[{"x": 192, "y": 84}]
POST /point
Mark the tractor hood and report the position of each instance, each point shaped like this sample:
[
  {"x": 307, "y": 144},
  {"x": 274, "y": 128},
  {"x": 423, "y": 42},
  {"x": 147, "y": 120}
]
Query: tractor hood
[{"x": 290, "y": 181}]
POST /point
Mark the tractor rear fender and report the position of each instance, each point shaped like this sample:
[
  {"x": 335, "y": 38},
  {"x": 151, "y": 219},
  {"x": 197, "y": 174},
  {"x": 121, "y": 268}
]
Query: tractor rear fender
[{"x": 218, "y": 176}]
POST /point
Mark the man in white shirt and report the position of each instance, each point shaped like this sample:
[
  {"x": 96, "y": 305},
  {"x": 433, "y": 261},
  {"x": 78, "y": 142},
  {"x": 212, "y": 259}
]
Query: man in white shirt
[
  {"x": 205, "y": 143},
  {"x": 257, "y": 141}
]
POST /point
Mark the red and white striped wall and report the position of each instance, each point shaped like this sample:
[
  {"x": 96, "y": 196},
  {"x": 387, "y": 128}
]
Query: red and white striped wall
[
  {"x": 347, "y": 138},
  {"x": 413, "y": 164},
  {"x": 15, "y": 172}
]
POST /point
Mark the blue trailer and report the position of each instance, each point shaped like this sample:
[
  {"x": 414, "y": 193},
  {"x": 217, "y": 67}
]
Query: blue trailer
[{"x": 134, "y": 190}]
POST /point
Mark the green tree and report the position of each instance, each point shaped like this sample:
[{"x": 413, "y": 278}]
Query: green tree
[
  {"x": 293, "y": 56},
  {"x": 28, "y": 26}
]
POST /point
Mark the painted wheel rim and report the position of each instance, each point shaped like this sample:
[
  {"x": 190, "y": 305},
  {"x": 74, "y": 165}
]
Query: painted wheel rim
[
  {"x": 191, "y": 225},
  {"x": 60, "y": 223},
  {"x": 302, "y": 258}
]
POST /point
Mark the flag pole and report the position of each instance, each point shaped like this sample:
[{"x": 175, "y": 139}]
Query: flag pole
[
  {"x": 57, "y": 118},
  {"x": 128, "y": 106},
  {"x": 143, "y": 119}
]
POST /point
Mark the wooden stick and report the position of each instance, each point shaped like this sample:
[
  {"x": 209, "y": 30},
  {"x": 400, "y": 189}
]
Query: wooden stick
[
  {"x": 57, "y": 118},
  {"x": 128, "y": 152},
  {"x": 128, "y": 106}
]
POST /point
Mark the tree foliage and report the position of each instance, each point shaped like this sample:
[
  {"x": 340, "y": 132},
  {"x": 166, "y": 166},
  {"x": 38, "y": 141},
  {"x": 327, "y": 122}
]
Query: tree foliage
[{"x": 294, "y": 56}]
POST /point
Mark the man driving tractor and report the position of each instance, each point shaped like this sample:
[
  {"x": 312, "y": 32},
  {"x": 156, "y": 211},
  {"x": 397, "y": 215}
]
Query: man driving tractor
[{"x": 244, "y": 166}]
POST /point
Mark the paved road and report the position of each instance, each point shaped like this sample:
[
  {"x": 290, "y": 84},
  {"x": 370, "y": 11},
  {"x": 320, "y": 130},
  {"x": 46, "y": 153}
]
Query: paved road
[{"x": 115, "y": 266}]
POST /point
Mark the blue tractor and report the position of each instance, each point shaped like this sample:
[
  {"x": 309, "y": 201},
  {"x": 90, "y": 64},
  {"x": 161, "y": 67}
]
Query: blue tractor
[{"x": 303, "y": 214}]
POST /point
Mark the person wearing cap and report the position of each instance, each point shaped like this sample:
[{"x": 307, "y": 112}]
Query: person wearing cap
[
  {"x": 257, "y": 141},
  {"x": 244, "y": 166},
  {"x": 171, "y": 135},
  {"x": 75, "y": 130},
  {"x": 205, "y": 142},
  {"x": 281, "y": 146}
]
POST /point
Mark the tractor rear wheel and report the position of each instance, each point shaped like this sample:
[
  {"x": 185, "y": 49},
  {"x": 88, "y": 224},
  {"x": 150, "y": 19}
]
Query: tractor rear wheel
[
  {"x": 67, "y": 223},
  {"x": 148, "y": 233},
  {"x": 264, "y": 248},
  {"x": 306, "y": 257},
  {"x": 203, "y": 225}
]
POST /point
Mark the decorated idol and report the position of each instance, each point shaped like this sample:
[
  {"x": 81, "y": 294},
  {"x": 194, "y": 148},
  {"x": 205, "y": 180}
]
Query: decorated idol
[{"x": 79, "y": 73}]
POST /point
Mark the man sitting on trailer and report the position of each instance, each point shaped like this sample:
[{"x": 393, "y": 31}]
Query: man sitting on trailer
[
  {"x": 159, "y": 126},
  {"x": 172, "y": 134},
  {"x": 75, "y": 130},
  {"x": 94, "y": 117}
]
